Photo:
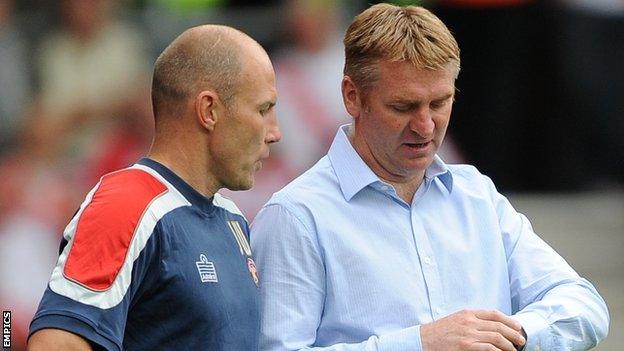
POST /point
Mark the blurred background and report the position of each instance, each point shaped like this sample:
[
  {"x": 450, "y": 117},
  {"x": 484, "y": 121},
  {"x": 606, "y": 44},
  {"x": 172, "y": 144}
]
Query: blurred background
[{"x": 539, "y": 108}]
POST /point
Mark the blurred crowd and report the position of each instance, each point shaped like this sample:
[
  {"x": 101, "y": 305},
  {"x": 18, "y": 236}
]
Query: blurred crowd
[{"x": 538, "y": 106}]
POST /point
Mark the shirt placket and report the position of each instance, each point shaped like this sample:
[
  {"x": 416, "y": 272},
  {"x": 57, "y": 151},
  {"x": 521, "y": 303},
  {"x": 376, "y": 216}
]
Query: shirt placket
[{"x": 427, "y": 261}]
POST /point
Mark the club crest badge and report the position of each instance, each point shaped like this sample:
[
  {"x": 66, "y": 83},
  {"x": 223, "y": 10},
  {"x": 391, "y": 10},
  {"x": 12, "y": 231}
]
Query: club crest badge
[
  {"x": 251, "y": 265},
  {"x": 207, "y": 270}
]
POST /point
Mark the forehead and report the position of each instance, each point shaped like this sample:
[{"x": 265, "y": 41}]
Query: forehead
[
  {"x": 402, "y": 79},
  {"x": 257, "y": 79}
]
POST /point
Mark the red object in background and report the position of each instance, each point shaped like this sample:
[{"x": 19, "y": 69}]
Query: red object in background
[{"x": 119, "y": 149}]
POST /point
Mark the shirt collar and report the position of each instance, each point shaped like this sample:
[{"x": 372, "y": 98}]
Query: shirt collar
[
  {"x": 354, "y": 174},
  {"x": 205, "y": 204},
  {"x": 439, "y": 169}
]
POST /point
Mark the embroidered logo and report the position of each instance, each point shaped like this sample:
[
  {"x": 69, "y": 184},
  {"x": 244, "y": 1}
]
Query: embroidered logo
[
  {"x": 240, "y": 237},
  {"x": 251, "y": 265},
  {"x": 207, "y": 270}
]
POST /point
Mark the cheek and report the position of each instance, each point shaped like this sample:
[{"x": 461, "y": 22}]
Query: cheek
[
  {"x": 259, "y": 132},
  {"x": 254, "y": 135},
  {"x": 383, "y": 123},
  {"x": 442, "y": 120}
]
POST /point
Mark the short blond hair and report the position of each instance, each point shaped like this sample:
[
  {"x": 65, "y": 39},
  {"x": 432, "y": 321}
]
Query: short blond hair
[{"x": 394, "y": 33}]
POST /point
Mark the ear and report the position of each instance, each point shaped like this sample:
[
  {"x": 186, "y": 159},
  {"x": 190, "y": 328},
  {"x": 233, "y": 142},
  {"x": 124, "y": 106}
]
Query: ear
[
  {"x": 206, "y": 105},
  {"x": 351, "y": 97}
]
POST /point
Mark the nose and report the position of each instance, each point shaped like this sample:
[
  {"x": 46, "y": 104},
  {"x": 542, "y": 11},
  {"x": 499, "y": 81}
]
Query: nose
[
  {"x": 273, "y": 134},
  {"x": 422, "y": 123}
]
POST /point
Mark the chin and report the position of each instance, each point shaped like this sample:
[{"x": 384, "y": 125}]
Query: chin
[
  {"x": 239, "y": 181},
  {"x": 243, "y": 185},
  {"x": 246, "y": 187},
  {"x": 419, "y": 164}
]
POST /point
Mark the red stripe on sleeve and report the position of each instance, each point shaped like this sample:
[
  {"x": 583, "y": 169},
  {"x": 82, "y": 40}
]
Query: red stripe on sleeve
[{"x": 107, "y": 225}]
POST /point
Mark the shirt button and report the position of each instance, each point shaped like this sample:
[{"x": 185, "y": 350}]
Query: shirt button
[
  {"x": 384, "y": 187},
  {"x": 427, "y": 260}
]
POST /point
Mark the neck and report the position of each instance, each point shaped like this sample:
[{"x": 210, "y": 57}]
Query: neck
[
  {"x": 188, "y": 165},
  {"x": 406, "y": 191},
  {"x": 405, "y": 187}
]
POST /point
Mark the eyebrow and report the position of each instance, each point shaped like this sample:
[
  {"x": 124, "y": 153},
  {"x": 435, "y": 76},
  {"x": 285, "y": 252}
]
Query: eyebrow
[
  {"x": 415, "y": 103},
  {"x": 445, "y": 97}
]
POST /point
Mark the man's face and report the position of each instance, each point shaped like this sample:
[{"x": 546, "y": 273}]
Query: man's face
[
  {"x": 248, "y": 126},
  {"x": 401, "y": 120}
]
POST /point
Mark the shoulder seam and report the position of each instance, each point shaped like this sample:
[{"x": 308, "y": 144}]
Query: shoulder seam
[{"x": 294, "y": 215}]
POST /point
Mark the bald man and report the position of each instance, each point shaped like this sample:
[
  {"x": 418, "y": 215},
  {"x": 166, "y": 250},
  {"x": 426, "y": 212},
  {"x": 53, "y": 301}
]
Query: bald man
[{"x": 155, "y": 258}]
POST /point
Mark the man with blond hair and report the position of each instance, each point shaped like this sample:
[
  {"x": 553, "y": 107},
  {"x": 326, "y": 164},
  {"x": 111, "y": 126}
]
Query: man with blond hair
[
  {"x": 383, "y": 246},
  {"x": 155, "y": 258}
]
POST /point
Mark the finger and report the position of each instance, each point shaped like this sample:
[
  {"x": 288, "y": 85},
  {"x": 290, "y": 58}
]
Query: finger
[
  {"x": 510, "y": 334},
  {"x": 483, "y": 347},
  {"x": 497, "y": 316},
  {"x": 497, "y": 340}
]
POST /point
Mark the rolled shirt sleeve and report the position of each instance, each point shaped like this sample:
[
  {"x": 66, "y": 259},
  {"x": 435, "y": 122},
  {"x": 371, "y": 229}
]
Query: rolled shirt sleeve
[{"x": 558, "y": 309}]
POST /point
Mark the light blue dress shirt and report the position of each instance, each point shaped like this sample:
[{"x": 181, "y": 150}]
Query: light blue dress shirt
[{"x": 346, "y": 264}]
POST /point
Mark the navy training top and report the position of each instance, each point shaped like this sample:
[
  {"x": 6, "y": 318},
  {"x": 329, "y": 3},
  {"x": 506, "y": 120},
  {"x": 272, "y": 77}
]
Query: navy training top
[{"x": 149, "y": 263}]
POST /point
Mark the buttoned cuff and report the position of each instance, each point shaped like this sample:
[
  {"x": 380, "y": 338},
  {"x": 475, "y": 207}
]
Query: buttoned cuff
[
  {"x": 533, "y": 325},
  {"x": 401, "y": 340}
]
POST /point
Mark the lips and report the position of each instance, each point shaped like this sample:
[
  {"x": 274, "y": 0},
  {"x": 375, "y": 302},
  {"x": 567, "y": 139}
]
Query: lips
[
  {"x": 258, "y": 165},
  {"x": 418, "y": 145},
  {"x": 264, "y": 156}
]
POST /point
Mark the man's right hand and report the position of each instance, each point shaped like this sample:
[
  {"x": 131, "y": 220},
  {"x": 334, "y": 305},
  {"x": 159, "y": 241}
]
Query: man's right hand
[{"x": 472, "y": 330}]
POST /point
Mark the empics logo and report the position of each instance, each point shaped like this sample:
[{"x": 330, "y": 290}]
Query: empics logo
[{"x": 6, "y": 329}]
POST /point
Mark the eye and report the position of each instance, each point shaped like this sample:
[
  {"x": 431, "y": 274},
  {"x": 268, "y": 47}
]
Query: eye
[
  {"x": 435, "y": 105},
  {"x": 400, "y": 107},
  {"x": 266, "y": 109}
]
